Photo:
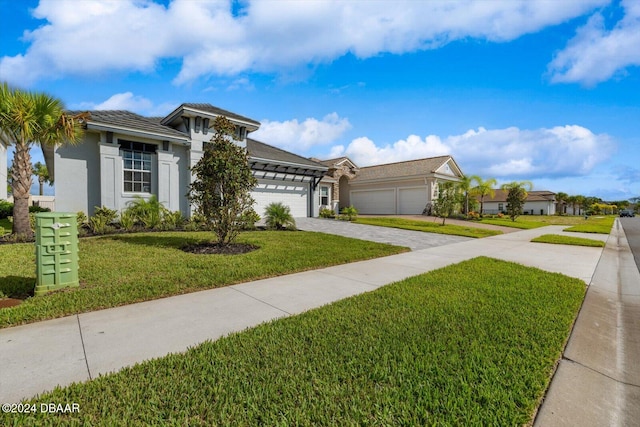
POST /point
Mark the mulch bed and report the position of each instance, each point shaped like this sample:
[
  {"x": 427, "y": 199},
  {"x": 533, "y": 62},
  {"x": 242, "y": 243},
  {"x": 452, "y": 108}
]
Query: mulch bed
[
  {"x": 9, "y": 302},
  {"x": 214, "y": 248}
]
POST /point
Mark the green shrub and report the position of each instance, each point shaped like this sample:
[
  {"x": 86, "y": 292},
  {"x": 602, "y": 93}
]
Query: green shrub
[
  {"x": 102, "y": 219},
  {"x": 349, "y": 214},
  {"x": 249, "y": 218},
  {"x": 171, "y": 220},
  {"x": 327, "y": 213},
  {"x": 146, "y": 212},
  {"x": 127, "y": 220},
  {"x": 37, "y": 209},
  {"x": 278, "y": 216},
  {"x": 6, "y": 209}
]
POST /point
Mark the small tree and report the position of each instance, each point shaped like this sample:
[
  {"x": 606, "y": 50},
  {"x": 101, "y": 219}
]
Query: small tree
[
  {"x": 447, "y": 201},
  {"x": 516, "y": 197},
  {"x": 223, "y": 182}
]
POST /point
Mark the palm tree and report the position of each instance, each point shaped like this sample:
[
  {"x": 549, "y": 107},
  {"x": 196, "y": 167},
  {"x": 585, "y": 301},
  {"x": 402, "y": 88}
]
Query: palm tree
[
  {"x": 28, "y": 118},
  {"x": 465, "y": 186},
  {"x": 278, "y": 216},
  {"x": 484, "y": 188},
  {"x": 562, "y": 199},
  {"x": 40, "y": 170}
]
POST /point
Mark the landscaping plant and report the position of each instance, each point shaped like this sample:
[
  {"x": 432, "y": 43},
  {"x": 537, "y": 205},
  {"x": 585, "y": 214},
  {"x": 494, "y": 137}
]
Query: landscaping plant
[
  {"x": 349, "y": 213},
  {"x": 278, "y": 217},
  {"x": 516, "y": 197},
  {"x": 223, "y": 183}
]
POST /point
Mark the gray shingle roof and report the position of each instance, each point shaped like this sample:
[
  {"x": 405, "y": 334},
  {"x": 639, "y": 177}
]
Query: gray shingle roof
[
  {"x": 208, "y": 108},
  {"x": 133, "y": 121},
  {"x": 261, "y": 150},
  {"x": 401, "y": 169}
]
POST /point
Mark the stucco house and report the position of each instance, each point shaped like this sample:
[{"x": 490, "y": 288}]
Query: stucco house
[
  {"x": 124, "y": 155},
  {"x": 537, "y": 203},
  {"x": 393, "y": 188}
]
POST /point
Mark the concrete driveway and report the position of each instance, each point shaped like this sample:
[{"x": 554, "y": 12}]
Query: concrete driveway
[{"x": 415, "y": 240}]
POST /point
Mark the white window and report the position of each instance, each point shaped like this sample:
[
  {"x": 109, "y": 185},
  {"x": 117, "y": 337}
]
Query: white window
[
  {"x": 136, "y": 165},
  {"x": 324, "y": 196}
]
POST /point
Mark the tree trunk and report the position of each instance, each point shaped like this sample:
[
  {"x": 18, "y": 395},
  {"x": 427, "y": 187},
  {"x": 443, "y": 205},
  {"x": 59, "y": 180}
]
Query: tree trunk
[
  {"x": 41, "y": 182},
  {"x": 21, "y": 187}
]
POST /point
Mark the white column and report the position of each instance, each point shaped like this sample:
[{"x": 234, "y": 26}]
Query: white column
[
  {"x": 3, "y": 173},
  {"x": 168, "y": 180},
  {"x": 110, "y": 176}
]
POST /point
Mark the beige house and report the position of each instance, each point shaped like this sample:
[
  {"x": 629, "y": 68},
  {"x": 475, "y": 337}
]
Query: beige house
[
  {"x": 537, "y": 203},
  {"x": 394, "y": 188}
]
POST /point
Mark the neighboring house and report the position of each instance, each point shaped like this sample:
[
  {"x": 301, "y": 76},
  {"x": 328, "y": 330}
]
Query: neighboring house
[
  {"x": 388, "y": 189},
  {"x": 124, "y": 155},
  {"x": 3, "y": 172},
  {"x": 537, "y": 203}
]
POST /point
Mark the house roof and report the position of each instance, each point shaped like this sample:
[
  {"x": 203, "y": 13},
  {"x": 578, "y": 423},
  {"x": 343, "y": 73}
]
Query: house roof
[
  {"x": 532, "y": 196},
  {"x": 127, "y": 120},
  {"x": 260, "y": 150},
  {"x": 402, "y": 169},
  {"x": 336, "y": 162},
  {"x": 210, "y": 109}
]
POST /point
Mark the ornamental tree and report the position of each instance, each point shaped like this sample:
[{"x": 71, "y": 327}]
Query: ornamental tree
[
  {"x": 447, "y": 202},
  {"x": 223, "y": 183},
  {"x": 516, "y": 197}
]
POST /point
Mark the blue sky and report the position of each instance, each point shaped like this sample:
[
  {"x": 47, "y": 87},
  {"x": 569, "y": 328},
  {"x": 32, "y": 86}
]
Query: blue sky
[{"x": 545, "y": 91}]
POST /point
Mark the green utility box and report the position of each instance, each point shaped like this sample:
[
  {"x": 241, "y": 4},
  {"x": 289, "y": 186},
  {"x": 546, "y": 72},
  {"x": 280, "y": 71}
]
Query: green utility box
[{"x": 56, "y": 251}]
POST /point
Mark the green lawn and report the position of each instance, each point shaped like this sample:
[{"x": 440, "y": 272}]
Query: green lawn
[
  {"x": 471, "y": 344},
  {"x": 568, "y": 240},
  {"x": 595, "y": 224},
  {"x": 122, "y": 269},
  {"x": 428, "y": 226}
]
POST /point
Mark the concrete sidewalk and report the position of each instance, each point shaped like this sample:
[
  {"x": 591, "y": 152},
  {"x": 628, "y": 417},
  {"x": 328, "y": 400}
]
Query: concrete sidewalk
[
  {"x": 35, "y": 358},
  {"x": 597, "y": 381}
]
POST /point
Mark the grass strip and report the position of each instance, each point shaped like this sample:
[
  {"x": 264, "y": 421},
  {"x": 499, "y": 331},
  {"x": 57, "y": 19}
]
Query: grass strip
[
  {"x": 470, "y": 344},
  {"x": 568, "y": 240},
  {"x": 429, "y": 227},
  {"x": 518, "y": 223},
  {"x": 123, "y": 269},
  {"x": 598, "y": 225}
]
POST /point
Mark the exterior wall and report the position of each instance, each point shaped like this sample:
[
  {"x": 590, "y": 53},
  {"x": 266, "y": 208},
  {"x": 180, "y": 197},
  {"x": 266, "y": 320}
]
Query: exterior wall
[
  {"x": 77, "y": 170},
  {"x": 529, "y": 208},
  {"x": 3, "y": 172},
  {"x": 91, "y": 174}
]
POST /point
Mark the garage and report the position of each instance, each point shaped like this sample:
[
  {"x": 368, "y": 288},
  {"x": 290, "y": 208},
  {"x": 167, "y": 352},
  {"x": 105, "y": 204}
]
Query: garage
[
  {"x": 292, "y": 194},
  {"x": 412, "y": 201},
  {"x": 374, "y": 202}
]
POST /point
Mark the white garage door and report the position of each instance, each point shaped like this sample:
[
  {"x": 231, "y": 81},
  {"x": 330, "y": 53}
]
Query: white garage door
[
  {"x": 374, "y": 202},
  {"x": 412, "y": 201},
  {"x": 292, "y": 194}
]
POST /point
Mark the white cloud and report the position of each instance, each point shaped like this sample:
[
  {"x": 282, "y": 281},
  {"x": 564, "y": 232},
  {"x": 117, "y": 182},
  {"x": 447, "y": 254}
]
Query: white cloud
[
  {"x": 500, "y": 153},
  {"x": 596, "y": 54},
  {"x": 125, "y": 101},
  {"x": 95, "y": 36},
  {"x": 300, "y": 136},
  {"x": 130, "y": 102}
]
